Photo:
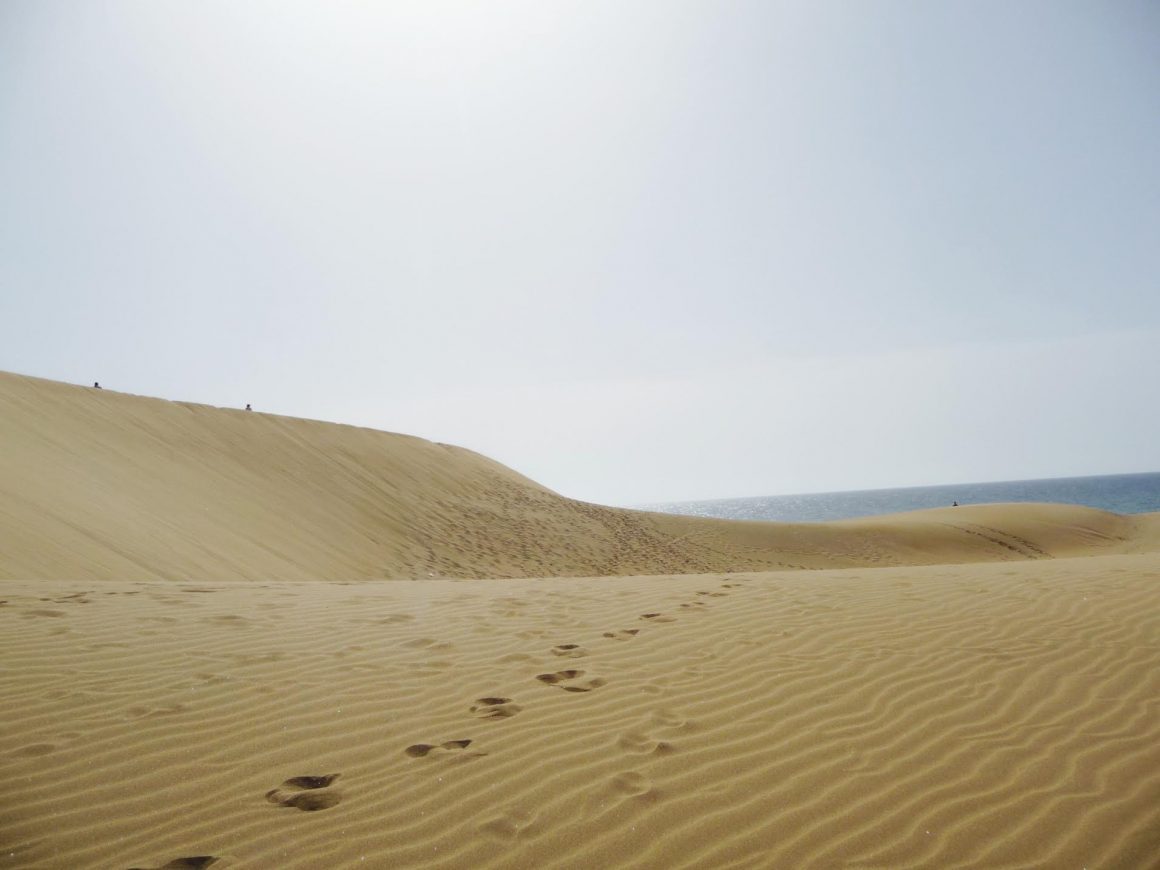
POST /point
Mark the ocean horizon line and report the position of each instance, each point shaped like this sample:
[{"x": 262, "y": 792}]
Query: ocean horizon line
[{"x": 818, "y": 492}]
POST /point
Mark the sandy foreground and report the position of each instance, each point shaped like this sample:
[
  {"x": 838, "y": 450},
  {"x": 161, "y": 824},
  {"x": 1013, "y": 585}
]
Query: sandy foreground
[
  {"x": 279, "y": 643},
  {"x": 985, "y": 716}
]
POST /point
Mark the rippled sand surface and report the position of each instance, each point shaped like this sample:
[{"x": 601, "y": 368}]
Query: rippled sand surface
[{"x": 204, "y": 663}]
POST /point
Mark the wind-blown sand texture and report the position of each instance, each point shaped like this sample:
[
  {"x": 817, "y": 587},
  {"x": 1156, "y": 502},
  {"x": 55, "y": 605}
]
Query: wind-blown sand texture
[{"x": 197, "y": 637}]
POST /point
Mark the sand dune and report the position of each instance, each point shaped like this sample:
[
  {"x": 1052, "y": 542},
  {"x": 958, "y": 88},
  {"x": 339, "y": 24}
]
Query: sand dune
[
  {"x": 103, "y": 485},
  {"x": 201, "y": 665}
]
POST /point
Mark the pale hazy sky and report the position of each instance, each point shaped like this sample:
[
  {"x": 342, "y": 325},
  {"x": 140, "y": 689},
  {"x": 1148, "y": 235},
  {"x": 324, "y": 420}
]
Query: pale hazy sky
[{"x": 639, "y": 251}]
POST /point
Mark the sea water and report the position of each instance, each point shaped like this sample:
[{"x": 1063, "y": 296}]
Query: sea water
[{"x": 1119, "y": 493}]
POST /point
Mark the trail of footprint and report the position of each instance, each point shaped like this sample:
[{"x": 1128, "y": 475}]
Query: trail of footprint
[
  {"x": 495, "y": 708},
  {"x": 566, "y": 680},
  {"x": 197, "y": 862},
  {"x": 304, "y": 793},
  {"x": 421, "y": 750},
  {"x": 623, "y": 634},
  {"x": 75, "y": 598}
]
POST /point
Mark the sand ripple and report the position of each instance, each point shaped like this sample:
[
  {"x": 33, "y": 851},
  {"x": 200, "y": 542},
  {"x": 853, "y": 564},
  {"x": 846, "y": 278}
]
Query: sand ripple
[{"x": 1000, "y": 715}]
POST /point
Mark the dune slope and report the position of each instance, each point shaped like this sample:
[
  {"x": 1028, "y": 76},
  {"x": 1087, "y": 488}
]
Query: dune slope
[
  {"x": 201, "y": 669},
  {"x": 99, "y": 484}
]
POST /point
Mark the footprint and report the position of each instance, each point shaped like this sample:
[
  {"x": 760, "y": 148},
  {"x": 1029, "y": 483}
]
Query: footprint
[
  {"x": 571, "y": 650},
  {"x": 511, "y": 824},
  {"x": 304, "y": 794},
  {"x": 307, "y": 782},
  {"x": 640, "y": 743},
  {"x": 559, "y": 679},
  {"x": 632, "y": 784},
  {"x": 75, "y": 598},
  {"x": 420, "y": 642},
  {"x": 420, "y": 750},
  {"x": 694, "y": 604},
  {"x": 309, "y": 801},
  {"x": 666, "y": 718},
  {"x": 559, "y": 676},
  {"x": 197, "y": 862},
  {"x": 623, "y": 634},
  {"x": 657, "y": 617},
  {"x": 494, "y": 708}
]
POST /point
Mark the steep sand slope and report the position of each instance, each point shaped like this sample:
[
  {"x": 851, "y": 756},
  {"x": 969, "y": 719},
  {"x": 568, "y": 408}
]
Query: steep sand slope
[
  {"x": 98, "y": 484},
  {"x": 989, "y": 716}
]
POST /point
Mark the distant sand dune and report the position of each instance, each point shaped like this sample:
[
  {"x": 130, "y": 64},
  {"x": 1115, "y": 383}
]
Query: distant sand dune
[
  {"x": 201, "y": 667},
  {"x": 100, "y": 484}
]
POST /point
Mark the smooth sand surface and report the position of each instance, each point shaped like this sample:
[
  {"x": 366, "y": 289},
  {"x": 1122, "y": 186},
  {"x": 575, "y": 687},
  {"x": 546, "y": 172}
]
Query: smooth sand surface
[
  {"x": 198, "y": 635},
  {"x": 102, "y": 485}
]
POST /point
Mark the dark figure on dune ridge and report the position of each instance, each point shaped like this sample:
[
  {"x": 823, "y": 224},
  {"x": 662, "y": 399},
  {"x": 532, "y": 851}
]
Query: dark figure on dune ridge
[
  {"x": 248, "y": 408},
  {"x": 96, "y": 385}
]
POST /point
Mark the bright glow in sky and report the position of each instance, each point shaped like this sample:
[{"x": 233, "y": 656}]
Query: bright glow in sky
[{"x": 639, "y": 251}]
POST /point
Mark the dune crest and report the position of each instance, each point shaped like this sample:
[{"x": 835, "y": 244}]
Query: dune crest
[{"x": 99, "y": 484}]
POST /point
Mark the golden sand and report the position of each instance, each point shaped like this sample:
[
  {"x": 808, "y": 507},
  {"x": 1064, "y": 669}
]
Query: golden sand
[{"x": 197, "y": 637}]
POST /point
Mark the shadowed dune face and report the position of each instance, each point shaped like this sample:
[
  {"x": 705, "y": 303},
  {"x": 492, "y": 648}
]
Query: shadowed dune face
[{"x": 98, "y": 484}]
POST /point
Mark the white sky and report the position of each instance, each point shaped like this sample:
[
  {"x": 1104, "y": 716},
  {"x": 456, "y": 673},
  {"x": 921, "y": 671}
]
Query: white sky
[{"x": 638, "y": 251}]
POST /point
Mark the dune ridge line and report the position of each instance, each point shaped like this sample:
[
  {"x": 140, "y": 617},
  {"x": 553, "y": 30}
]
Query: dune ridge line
[{"x": 100, "y": 484}]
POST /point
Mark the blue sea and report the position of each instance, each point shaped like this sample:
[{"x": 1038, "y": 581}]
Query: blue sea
[{"x": 1119, "y": 493}]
